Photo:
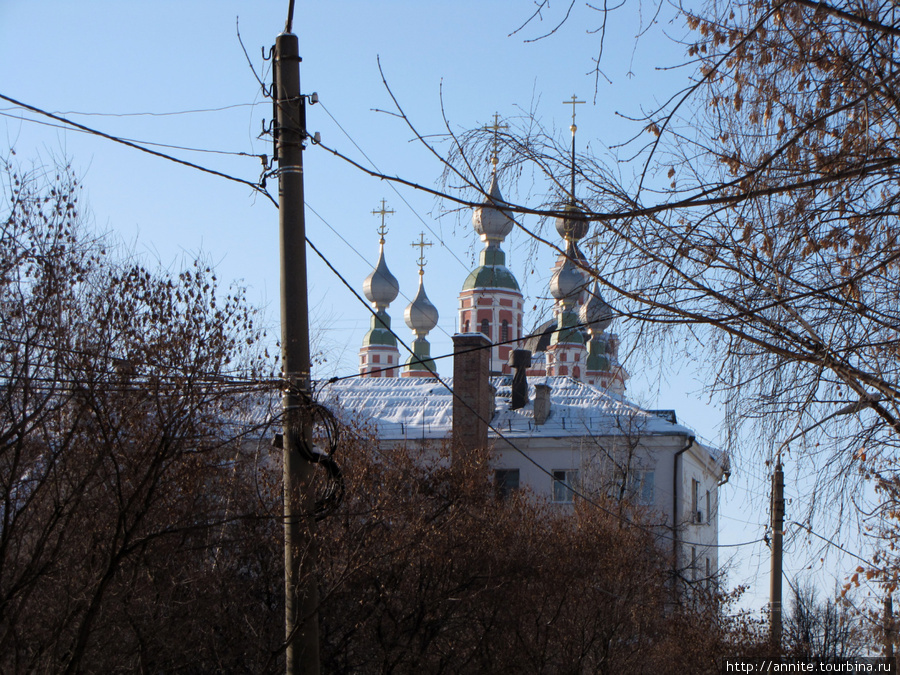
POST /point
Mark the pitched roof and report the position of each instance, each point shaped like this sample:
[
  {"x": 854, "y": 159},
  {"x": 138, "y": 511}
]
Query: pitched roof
[{"x": 423, "y": 408}]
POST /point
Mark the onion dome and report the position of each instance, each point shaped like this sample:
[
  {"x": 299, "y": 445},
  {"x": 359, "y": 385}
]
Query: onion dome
[
  {"x": 491, "y": 223},
  {"x": 573, "y": 226},
  {"x": 381, "y": 287},
  {"x": 491, "y": 273},
  {"x": 596, "y": 314},
  {"x": 421, "y": 316},
  {"x": 566, "y": 283}
]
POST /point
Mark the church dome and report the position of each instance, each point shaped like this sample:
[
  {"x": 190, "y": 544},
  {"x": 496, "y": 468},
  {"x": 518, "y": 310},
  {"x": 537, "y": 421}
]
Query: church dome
[
  {"x": 567, "y": 282},
  {"x": 421, "y": 316},
  {"x": 596, "y": 313},
  {"x": 491, "y": 223},
  {"x": 381, "y": 287},
  {"x": 573, "y": 226}
]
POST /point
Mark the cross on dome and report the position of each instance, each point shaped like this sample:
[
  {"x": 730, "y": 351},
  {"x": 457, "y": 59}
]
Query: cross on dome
[
  {"x": 383, "y": 211},
  {"x": 573, "y": 102},
  {"x": 421, "y": 245},
  {"x": 495, "y": 127}
]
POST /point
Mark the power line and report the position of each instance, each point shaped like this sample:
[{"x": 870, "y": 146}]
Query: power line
[
  {"x": 146, "y": 114},
  {"x": 255, "y": 186},
  {"x": 830, "y": 542},
  {"x": 394, "y": 188},
  {"x": 132, "y": 140}
]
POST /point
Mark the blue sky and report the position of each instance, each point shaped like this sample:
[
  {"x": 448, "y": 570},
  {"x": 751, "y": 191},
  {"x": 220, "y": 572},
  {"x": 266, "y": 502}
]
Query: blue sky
[{"x": 122, "y": 61}]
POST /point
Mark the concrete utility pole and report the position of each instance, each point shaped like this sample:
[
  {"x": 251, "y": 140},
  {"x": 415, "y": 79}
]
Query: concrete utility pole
[
  {"x": 777, "y": 534},
  {"x": 301, "y": 591}
]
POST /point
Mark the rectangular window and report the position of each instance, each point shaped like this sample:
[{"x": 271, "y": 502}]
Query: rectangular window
[
  {"x": 505, "y": 482},
  {"x": 564, "y": 481},
  {"x": 693, "y": 563},
  {"x": 695, "y": 500},
  {"x": 708, "y": 507},
  {"x": 640, "y": 487}
]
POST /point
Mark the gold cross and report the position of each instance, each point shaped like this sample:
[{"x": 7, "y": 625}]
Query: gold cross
[
  {"x": 383, "y": 212},
  {"x": 572, "y": 103},
  {"x": 495, "y": 127},
  {"x": 421, "y": 244}
]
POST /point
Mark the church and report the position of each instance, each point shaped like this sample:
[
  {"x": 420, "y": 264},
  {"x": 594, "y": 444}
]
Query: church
[{"x": 550, "y": 403}]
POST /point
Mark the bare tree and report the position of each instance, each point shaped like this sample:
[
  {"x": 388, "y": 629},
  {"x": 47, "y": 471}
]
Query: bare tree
[
  {"x": 828, "y": 630},
  {"x": 126, "y": 542},
  {"x": 425, "y": 570}
]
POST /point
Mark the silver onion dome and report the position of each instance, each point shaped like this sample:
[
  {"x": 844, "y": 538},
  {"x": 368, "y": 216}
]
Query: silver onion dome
[
  {"x": 381, "y": 287},
  {"x": 573, "y": 226},
  {"x": 596, "y": 314},
  {"x": 421, "y": 316},
  {"x": 567, "y": 282},
  {"x": 491, "y": 223}
]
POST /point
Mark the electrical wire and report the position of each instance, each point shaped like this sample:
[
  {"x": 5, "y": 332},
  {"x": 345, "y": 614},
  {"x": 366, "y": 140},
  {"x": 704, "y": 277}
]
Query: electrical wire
[
  {"x": 145, "y": 114},
  {"x": 394, "y": 188},
  {"x": 131, "y": 140},
  {"x": 255, "y": 186},
  {"x": 836, "y": 545}
]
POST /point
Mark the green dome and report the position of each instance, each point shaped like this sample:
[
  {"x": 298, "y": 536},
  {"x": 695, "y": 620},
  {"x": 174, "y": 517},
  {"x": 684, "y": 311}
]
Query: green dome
[
  {"x": 380, "y": 332},
  {"x": 492, "y": 273},
  {"x": 420, "y": 359},
  {"x": 597, "y": 359},
  {"x": 598, "y": 362},
  {"x": 567, "y": 330},
  {"x": 491, "y": 277}
]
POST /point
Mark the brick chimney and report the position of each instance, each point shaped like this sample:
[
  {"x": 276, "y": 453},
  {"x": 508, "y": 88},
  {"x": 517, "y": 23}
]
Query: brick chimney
[
  {"x": 541, "y": 403},
  {"x": 473, "y": 404}
]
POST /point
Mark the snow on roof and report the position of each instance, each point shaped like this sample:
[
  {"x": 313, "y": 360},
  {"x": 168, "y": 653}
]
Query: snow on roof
[{"x": 419, "y": 407}]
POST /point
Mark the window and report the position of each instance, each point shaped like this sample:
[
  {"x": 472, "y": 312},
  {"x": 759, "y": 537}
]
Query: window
[
  {"x": 505, "y": 482},
  {"x": 466, "y": 329},
  {"x": 695, "y": 501},
  {"x": 708, "y": 510},
  {"x": 391, "y": 360},
  {"x": 504, "y": 331},
  {"x": 640, "y": 487},
  {"x": 693, "y": 563},
  {"x": 563, "y": 483},
  {"x": 486, "y": 327}
]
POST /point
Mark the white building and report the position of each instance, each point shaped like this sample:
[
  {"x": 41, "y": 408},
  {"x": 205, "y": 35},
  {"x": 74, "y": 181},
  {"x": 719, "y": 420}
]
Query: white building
[{"x": 582, "y": 440}]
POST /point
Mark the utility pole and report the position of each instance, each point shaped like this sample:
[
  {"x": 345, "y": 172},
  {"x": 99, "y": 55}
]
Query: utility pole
[
  {"x": 777, "y": 533},
  {"x": 301, "y": 591}
]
